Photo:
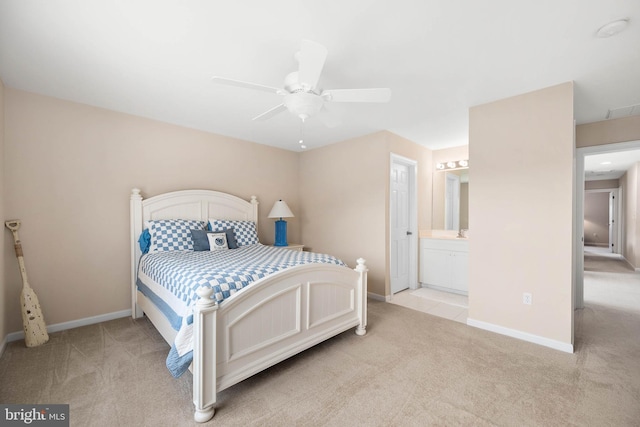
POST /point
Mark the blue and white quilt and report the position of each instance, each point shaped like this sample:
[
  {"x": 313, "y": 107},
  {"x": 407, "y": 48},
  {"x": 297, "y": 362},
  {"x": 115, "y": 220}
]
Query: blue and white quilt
[{"x": 170, "y": 280}]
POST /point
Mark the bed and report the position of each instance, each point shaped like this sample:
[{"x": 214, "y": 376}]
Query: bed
[{"x": 272, "y": 319}]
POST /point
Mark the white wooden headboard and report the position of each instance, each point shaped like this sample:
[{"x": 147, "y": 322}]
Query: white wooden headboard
[{"x": 186, "y": 204}]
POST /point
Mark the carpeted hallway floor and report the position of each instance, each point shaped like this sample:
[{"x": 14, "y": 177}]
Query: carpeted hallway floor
[{"x": 411, "y": 369}]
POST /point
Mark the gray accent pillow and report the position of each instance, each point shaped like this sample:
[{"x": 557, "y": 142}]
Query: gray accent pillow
[{"x": 201, "y": 242}]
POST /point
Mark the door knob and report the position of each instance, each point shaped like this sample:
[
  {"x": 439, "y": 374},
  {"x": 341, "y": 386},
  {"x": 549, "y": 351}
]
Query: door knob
[{"x": 409, "y": 233}]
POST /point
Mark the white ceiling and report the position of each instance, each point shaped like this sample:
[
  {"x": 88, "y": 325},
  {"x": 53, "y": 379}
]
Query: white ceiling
[
  {"x": 609, "y": 165},
  {"x": 155, "y": 58}
]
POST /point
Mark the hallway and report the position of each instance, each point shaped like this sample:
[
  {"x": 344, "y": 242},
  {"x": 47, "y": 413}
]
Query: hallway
[
  {"x": 610, "y": 281},
  {"x": 609, "y": 324}
]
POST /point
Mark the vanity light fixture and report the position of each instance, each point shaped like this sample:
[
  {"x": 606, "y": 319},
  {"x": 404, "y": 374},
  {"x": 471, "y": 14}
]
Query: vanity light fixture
[{"x": 453, "y": 165}]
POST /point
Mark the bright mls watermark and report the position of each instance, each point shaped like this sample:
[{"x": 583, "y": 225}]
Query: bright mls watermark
[{"x": 35, "y": 415}]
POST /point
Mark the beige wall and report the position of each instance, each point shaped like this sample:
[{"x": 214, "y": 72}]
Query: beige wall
[
  {"x": 601, "y": 184},
  {"x": 596, "y": 219},
  {"x": 608, "y": 132},
  {"x": 69, "y": 170},
  {"x": 342, "y": 202},
  {"x": 344, "y": 192},
  {"x": 520, "y": 213},
  {"x": 630, "y": 183},
  {"x": 4, "y": 314},
  {"x": 442, "y": 156}
]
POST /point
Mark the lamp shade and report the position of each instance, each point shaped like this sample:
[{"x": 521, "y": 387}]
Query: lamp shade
[{"x": 280, "y": 210}]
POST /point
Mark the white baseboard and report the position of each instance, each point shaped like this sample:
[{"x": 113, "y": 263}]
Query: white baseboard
[
  {"x": 524, "y": 336},
  {"x": 376, "y": 297},
  {"x": 15, "y": 336},
  {"x": 629, "y": 264},
  {"x": 636, "y": 269}
]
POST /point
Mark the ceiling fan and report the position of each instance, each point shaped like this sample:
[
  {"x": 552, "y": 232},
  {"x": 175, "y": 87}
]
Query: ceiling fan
[{"x": 301, "y": 94}]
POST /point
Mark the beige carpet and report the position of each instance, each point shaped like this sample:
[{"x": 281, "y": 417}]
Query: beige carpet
[{"x": 411, "y": 369}]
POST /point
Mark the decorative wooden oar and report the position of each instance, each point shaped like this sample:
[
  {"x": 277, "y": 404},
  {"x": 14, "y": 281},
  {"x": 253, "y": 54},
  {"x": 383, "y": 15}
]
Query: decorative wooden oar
[{"x": 35, "y": 330}]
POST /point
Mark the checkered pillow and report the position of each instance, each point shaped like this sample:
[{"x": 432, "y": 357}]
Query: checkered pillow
[
  {"x": 245, "y": 231},
  {"x": 172, "y": 234}
]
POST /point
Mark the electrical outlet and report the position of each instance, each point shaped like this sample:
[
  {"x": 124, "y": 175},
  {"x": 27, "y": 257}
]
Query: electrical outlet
[{"x": 526, "y": 298}]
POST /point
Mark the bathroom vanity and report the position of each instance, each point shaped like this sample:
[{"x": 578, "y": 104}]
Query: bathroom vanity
[{"x": 444, "y": 263}]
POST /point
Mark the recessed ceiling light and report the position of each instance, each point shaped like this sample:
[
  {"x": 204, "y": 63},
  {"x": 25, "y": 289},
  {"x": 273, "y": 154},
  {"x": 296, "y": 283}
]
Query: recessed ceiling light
[
  {"x": 612, "y": 28},
  {"x": 605, "y": 163}
]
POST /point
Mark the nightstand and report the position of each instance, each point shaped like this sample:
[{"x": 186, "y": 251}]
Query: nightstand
[{"x": 292, "y": 247}]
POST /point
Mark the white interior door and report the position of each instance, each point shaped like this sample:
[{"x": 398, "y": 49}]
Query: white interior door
[
  {"x": 399, "y": 227},
  {"x": 403, "y": 224}
]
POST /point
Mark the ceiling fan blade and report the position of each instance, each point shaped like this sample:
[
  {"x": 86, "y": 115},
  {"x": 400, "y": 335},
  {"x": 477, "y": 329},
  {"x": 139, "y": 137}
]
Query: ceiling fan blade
[
  {"x": 310, "y": 62},
  {"x": 270, "y": 113},
  {"x": 247, "y": 85},
  {"x": 357, "y": 95}
]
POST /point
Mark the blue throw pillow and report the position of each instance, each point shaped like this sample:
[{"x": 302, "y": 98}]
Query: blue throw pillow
[
  {"x": 201, "y": 242},
  {"x": 145, "y": 241},
  {"x": 231, "y": 238}
]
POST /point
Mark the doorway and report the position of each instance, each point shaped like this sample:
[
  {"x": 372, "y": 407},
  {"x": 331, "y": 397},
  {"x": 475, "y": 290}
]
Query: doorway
[
  {"x": 403, "y": 224},
  {"x": 602, "y": 219},
  {"x": 579, "y": 192}
]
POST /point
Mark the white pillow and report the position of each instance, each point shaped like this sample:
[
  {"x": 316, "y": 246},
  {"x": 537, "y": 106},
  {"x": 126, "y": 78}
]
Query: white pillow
[{"x": 217, "y": 241}]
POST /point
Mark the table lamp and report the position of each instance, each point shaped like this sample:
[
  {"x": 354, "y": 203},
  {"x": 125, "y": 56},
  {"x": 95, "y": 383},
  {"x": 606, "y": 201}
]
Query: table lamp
[{"x": 281, "y": 210}]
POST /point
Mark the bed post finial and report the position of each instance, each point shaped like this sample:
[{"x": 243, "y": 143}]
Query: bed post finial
[
  {"x": 135, "y": 194},
  {"x": 205, "y": 292}
]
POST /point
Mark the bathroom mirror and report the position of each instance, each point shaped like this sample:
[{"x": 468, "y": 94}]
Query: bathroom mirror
[{"x": 450, "y": 199}]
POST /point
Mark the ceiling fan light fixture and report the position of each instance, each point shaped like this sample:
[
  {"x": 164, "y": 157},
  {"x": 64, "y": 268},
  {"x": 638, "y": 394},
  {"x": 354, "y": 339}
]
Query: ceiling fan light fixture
[{"x": 303, "y": 104}]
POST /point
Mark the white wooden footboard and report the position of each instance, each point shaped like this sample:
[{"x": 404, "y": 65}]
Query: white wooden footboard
[{"x": 271, "y": 320}]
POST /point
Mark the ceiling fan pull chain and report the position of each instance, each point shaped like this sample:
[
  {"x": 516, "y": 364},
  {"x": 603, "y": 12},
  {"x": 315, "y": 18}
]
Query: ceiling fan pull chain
[{"x": 301, "y": 142}]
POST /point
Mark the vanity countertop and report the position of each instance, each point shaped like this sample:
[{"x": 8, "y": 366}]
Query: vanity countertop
[{"x": 440, "y": 234}]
